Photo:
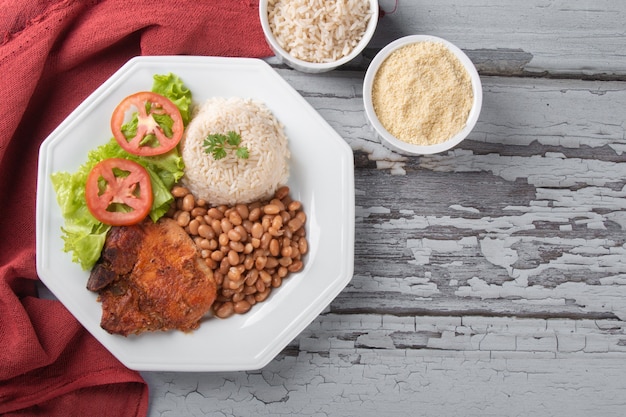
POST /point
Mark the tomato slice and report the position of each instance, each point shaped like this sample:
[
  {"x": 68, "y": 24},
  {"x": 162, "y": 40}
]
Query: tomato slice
[
  {"x": 150, "y": 137},
  {"x": 118, "y": 192}
]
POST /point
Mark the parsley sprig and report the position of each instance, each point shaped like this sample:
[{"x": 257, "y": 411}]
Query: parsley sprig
[{"x": 219, "y": 144}]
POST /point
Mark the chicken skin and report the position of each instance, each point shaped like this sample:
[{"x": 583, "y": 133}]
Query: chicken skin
[{"x": 151, "y": 277}]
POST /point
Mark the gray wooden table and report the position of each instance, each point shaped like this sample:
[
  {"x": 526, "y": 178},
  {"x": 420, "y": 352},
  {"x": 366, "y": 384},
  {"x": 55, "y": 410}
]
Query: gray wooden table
[{"x": 489, "y": 280}]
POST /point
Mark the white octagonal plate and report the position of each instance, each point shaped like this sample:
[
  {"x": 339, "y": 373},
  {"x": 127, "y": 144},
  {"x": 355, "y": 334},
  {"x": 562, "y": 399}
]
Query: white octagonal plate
[{"x": 322, "y": 177}]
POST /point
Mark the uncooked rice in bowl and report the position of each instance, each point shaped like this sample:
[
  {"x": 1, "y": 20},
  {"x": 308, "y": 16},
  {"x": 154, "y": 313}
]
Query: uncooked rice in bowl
[
  {"x": 318, "y": 30},
  {"x": 233, "y": 180}
]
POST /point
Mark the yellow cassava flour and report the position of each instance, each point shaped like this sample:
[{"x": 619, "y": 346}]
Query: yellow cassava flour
[{"x": 422, "y": 94}]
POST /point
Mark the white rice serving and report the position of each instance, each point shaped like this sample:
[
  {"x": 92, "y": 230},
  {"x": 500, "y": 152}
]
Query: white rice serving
[
  {"x": 232, "y": 180},
  {"x": 318, "y": 30}
]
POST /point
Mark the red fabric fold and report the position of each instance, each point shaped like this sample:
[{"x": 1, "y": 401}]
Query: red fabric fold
[{"x": 53, "y": 54}]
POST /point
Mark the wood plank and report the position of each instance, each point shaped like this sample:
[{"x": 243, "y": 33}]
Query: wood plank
[
  {"x": 346, "y": 365},
  {"x": 519, "y": 116},
  {"x": 581, "y": 38}
]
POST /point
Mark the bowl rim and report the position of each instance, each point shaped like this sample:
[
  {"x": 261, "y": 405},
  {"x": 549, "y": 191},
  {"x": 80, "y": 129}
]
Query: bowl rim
[
  {"x": 319, "y": 66},
  {"x": 410, "y": 148}
]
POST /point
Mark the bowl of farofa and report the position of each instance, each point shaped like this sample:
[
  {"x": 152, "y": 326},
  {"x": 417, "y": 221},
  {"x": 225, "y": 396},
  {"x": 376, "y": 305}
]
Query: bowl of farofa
[
  {"x": 422, "y": 95},
  {"x": 317, "y": 36}
]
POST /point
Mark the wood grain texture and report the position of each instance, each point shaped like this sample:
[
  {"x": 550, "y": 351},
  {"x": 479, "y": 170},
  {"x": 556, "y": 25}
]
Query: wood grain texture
[
  {"x": 582, "y": 38},
  {"x": 489, "y": 280},
  {"x": 367, "y": 365}
]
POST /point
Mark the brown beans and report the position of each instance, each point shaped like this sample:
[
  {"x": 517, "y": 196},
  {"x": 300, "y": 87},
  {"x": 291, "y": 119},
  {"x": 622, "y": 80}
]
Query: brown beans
[
  {"x": 215, "y": 213},
  {"x": 235, "y": 218},
  {"x": 226, "y": 225},
  {"x": 303, "y": 246},
  {"x": 296, "y": 266},
  {"x": 234, "y": 235},
  {"x": 255, "y": 214},
  {"x": 271, "y": 209},
  {"x": 259, "y": 262},
  {"x": 243, "y": 210},
  {"x": 183, "y": 218},
  {"x": 294, "y": 224},
  {"x": 233, "y": 257},
  {"x": 276, "y": 281},
  {"x": 193, "y": 227},
  {"x": 237, "y": 246},
  {"x": 265, "y": 240},
  {"x": 257, "y": 230},
  {"x": 217, "y": 255},
  {"x": 179, "y": 192},
  {"x": 241, "y": 307},
  {"x": 189, "y": 202},
  {"x": 294, "y": 206},
  {"x": 225, "y": 310},
  {"x": 262, "y": 295},
  {"x": 206, "y": 231},
  {"x": 281, "y": 192},
  {"x": 251, "y": 248},
  {"x": 198, "y": 211},
  {"x": 271, "y": 263},
  {"x": 274, "y": 247}
]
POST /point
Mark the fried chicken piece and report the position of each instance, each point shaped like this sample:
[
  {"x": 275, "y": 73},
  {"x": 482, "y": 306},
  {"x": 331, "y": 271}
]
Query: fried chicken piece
[{"x": 151, "y": 277}]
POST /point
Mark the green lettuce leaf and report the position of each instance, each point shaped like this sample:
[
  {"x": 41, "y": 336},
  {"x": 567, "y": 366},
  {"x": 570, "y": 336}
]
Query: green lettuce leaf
[
  {"x": 82, "y": 234},
  {"x": 171, "y": 86}
]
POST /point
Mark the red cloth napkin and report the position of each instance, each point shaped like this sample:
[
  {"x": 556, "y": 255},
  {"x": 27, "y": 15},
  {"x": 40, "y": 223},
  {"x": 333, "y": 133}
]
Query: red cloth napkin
[{"x": 53, "y": 54}]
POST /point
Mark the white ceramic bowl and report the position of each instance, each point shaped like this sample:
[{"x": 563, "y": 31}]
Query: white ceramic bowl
[
  {"x": 404, "y": 147},
  {"x": 312, "y": 67}
]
